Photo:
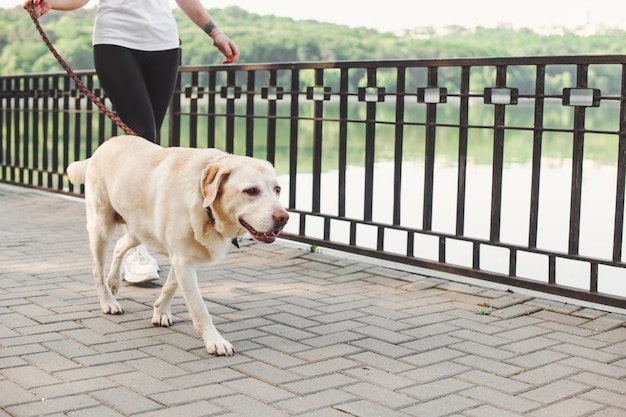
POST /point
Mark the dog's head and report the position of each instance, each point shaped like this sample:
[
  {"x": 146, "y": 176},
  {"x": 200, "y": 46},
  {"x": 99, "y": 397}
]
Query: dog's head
[{"x": 243, "y": 194}]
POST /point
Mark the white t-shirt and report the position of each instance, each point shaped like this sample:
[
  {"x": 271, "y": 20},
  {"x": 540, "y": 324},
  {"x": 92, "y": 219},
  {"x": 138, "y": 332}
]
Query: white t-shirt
[{"x": 145, "y": 25}]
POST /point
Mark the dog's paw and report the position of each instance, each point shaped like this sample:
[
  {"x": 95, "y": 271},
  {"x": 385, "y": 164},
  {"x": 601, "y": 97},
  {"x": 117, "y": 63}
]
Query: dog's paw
[
  {"x": 112, "y": 307},
  {"x": 162, "y": 319},
  {"x": 220, "y": 347}
]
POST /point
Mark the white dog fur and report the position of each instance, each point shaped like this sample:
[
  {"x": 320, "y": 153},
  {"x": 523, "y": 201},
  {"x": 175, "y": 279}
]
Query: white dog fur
[{"x": 186, "y": 203}]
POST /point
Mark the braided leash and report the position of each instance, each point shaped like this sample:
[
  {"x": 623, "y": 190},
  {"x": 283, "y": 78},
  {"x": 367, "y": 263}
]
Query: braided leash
[{"x": 76, "y": 79}]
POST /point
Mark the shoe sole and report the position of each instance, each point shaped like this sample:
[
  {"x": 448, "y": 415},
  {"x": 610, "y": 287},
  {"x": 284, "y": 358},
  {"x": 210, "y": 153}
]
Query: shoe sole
[{"x": 136, "y": 280}]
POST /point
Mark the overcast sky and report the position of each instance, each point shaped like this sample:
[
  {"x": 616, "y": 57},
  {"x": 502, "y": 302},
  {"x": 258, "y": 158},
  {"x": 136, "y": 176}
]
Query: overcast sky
[{"x": 389, "y": 15}]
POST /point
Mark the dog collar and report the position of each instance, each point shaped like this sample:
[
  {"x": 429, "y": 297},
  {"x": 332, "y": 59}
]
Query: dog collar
[{"x": 209, "y": 213}]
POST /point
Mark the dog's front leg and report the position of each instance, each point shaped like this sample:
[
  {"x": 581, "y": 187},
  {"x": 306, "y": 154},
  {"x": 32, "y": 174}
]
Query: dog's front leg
[
  {"x": 188, "y": 282},
  {"x": 162, "y": 315}
]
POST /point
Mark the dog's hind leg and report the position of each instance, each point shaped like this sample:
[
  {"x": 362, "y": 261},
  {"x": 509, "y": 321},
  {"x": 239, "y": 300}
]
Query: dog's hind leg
[
  {"x": 100, "y": 225},
  {"x": 122, "y": 246},
  {"x": 162, "y": 315}
]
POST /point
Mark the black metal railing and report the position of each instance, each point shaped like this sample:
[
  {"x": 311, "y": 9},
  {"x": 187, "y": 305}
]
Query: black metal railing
[{"x": 444, "y": 164}]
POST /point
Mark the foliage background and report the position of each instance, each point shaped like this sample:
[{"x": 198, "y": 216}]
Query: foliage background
[{"x": 270, "y": 38}]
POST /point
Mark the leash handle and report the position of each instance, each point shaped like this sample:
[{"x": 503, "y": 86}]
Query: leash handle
[{"x": 72, "y": 74}]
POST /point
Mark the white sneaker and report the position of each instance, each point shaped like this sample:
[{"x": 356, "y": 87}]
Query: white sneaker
[{"x": 139, "y": 266}]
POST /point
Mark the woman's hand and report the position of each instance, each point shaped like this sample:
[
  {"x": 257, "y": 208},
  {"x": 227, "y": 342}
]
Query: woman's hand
[
  {"x": 39, "y": 7},
  {"x": 226, "y": 47}
]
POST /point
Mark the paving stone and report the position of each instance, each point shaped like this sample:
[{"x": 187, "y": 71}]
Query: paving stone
[
  {"x": 481, "y": 378},
  {"x": 443, "y": 406},
  {"x": 317, "y": 384},
  {"x": 490, "y": 411},
  {"x": 529, "y": 345},
  {"x": 323, "y": 399},
  {"x": 365, "y": 408},
  {"x": 572, "y": 407},
  {"x": 439, "y": 388},
  {"x": 125, "y": 401},
  {"x": 432, "y": 356},
  {"x": 544, "y": 374},
  {"x": 605, "y": 397},
  {"x": 502, "y": 400},
  {"x": 195, "y": 409},
  {"x": 537, "y": 359},
  {"x": 55, "y": 405},
  {"x": 249, "y": 407},
  {"x": 172, "y": 398},
  {"x": 435, "y": 372}
]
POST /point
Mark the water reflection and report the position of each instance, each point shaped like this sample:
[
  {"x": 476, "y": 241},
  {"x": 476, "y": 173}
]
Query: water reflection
[{"x": 597, "y": 210}]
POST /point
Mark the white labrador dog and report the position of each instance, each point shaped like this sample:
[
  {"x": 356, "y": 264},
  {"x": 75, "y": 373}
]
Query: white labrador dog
[{"x": 186, "y": 203}]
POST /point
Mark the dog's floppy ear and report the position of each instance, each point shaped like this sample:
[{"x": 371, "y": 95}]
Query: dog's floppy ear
[{"x": 212, "y": 177}]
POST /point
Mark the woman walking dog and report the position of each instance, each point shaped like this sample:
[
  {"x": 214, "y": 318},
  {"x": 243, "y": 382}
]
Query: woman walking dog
[{"x": 136, "y": 52}]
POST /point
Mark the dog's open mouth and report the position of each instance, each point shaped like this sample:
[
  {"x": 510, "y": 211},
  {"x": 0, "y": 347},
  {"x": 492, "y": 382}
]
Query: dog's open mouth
[{"x": 267, "y": 237}]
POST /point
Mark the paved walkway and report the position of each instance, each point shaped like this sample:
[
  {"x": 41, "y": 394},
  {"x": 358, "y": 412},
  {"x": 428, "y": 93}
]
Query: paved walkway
[{"x": 315, "y": 336}]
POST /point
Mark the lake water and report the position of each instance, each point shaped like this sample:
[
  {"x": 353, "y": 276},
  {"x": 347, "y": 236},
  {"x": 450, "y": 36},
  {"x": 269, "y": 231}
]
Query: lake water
[{"x": 597, "y": 211}]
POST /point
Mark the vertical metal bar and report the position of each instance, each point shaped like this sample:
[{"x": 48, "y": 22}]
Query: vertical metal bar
[
  {"x": 343, "y": 141},
  {"x": 28, "y": 93},
  {"x": 6, "y": 150},
  {"x": 442, "y": 249},
  {"x": 410, "y": 244},
  {"x": 618, "y": 227},
  {"x": 193, "y": 111},
  {"x": 318, "y": 122},
  {"x": 577, "y": 165},
  {"x": 250, "y": 113},
  {"x": 326, "y": 228},
  {"x": 36, "y": 178},
  {"x": 398, "y": 145},
  {"x": 4, "y": 92},
  {"x": 380, "y": 240},
  {"x": 352, "y": 233},
  {"x": 16, "y": 132},
  {"x": 66, "y": 132},
  {"x": 370, "y": 149},
  {"x": 77, "y": 121},
  {"x": 540, "y": 81},
  {"x": 211, "y": 108},
  {"x": 429, "y": 153},
  {"x": 270, "y": 152},
  {"x": 293, "y": 136},
  {"x": 45, "y": 116},
  {"x": 476, "y": 255},
  {"x": 498, "y": 159},
  {"x": 512, "y": 262},
  {"x": 56, "y": 134},
  {"x": 89, "y": 118},
  {"x": 462, "y": 158},
  {"x": 593, "y": 281},
  {"x": 231, "y": 81}
]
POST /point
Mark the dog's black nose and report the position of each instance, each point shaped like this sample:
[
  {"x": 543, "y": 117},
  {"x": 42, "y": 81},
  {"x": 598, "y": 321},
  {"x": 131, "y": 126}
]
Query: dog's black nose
[{"x": 280, "y": 217}]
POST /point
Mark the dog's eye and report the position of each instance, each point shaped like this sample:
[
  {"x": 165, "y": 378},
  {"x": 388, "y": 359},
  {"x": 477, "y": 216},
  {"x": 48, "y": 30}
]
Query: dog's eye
[
  {"x": 252, "y": 191},
  {"x": 277, "y": 189}
]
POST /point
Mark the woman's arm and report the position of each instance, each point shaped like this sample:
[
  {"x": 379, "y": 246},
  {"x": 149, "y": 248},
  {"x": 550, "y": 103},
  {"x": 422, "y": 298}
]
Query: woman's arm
[
  {"x": 201, "y": 17},
  {"x": 44, "y": 6}
]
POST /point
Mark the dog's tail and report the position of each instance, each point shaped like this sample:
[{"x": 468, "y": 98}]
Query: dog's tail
[{"x": 76, "y": 171}]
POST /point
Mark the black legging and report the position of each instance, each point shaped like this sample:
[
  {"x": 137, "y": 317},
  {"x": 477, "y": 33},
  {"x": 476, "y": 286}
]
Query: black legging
[{"x": 140, "y": 85}]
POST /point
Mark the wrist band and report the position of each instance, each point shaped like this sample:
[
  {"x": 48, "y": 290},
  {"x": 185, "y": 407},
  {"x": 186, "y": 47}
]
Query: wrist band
[
  {"x": 215, "y": 35},
  {"x": 209, "y": 27}
]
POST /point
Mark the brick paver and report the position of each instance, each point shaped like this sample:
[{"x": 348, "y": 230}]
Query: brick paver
[{"x": 315, "y": 335}]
